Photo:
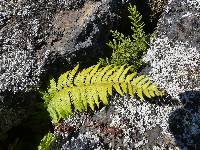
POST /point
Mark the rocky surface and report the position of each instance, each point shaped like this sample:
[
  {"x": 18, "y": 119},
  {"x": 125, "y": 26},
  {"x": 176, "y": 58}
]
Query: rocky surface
[
  {"x": 39, "y": 39},
  {"x": 13, "y": 110},
  {"x": 126, "y": 123},
  {"x": 35, "y": 34},
  {"x": 174, "y": 54}
]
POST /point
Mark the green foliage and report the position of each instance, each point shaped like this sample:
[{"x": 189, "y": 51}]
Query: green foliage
[
  {"x": 82, "y": 89},
  {"x": 128, "y": 49},
  {"x": 104, "y": 61},
  {"x": 46, "y": 141}
]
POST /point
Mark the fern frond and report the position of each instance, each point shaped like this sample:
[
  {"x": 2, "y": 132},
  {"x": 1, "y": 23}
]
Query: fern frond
[
  {"x": 87, "y": 88},
  {"x": 62, "y": 80},
  {"x": 71, "y": 76},
  {"x": 46, "y": 142},
  {"x": 129, "y": 49},
  {"x": 52, "y": 89}
]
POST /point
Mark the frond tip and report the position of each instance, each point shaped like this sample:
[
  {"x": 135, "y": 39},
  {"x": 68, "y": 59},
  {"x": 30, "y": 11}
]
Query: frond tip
[
  {"x": 90, "y": 86},
  {"x": 45, "y": 143}
]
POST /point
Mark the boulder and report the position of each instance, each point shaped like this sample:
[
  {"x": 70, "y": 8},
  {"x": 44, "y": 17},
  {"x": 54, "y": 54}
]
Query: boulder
[
  {"x": 126, "y": 123},
  {"x": 174, "y": 64},
  {"x": 36, "y": 34},
  {"x": 13, "y": 110},
  {"x": 174, "y": 54},
  {"x": 39, "y": 39},
  {"x": 173, "y": 121}
]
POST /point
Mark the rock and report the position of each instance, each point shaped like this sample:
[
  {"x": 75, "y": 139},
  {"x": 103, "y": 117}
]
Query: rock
[
  {"x": 36, "y": 34},
  {"x": 39, "y": 39},
  {"x": 174, "y": 53},
  {"x": 13, "y": 110},
  {"x": 173, "y": 63},
  {"x": 126, "y": 123},
  {"x": 157, "y": 7},
  {"x": 184, "y": 124}
]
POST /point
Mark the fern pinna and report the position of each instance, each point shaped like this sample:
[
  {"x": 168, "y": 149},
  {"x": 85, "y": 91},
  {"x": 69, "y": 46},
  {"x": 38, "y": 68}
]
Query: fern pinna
[{"x": 80, "y": 89}]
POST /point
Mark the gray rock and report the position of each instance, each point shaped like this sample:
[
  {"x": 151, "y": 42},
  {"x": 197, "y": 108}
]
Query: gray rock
[
  {"x": 14, "y": 109},
  {"x": 32, "y": 30},
  {"x": 39, "y": 39},
  {"x": 126, "y": 123},
  {"x": 174, "y": 53}
]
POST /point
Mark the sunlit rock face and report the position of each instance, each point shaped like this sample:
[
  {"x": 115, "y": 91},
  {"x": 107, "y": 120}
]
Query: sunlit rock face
[
  {"x": 127, "y": 123},
  {"x": 45, "y": 38},
  {"x": 174, "y": 53}
]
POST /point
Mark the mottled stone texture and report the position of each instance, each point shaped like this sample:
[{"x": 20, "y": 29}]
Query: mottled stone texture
[
  {"x": 173, "y": 62},
  {"x": 174, "y": 54},
  {"x": 43, "y": 38},
  {"x": 126, "y": 123},
  {"x": 33, "y": 35}
]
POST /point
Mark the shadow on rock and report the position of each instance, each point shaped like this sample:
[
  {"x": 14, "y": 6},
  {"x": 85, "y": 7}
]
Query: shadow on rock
[
  {"x": 184, "y": 123},
  {"x": 34, "y": 122}
]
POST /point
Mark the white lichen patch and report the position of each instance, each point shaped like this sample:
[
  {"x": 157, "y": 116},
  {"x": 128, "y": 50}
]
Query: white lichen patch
[
  {"x": 174, "y": 54},
  {"x": 142, "y": 117},
  {"x": 139, "y": 121},
  {"x": 174, "y": 68}
]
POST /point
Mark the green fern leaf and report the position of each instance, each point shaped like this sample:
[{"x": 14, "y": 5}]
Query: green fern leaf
[
  {"x": 137, "y": 80},
  {"x": 139, "y": 93},
  {"x": 103, "y": 94},
  {"x": 108, "y": 74},
  {"x": 69, "y": 82},
  {"x": 115, "y": 77},
  {"x": 146, "y": 92},
  {"x": 84, "y": 98},
  {"x": 152, "y": 93},
  {"x": 66, "y": 102},
  {"x": 92, "y": 73},
  {"x": 95, "y": 95},
  {"x": 145, "y": 87},
  {"x": 118, "y": 88},
  {"x": 47, "y": 140},
  {"x": 62, "y": 80},
  {"x": 92, "y": 85},
  {"x": 76, "y": 99},
  {"x": 90, "y": 98},
  {"x": 130, "y": 77},
  {"x": 52, "y": 89},
  {"x": 123, "y": 75},
  {"x": 124, "y": 87}
]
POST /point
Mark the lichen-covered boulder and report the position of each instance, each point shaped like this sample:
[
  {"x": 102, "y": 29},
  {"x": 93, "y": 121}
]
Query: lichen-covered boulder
[
  {"x": 126, "y": 123},
  {"x": 39, "y": 39},
  {"x": 35, "y": 34},
  {"x": 174, "y": 53}
]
